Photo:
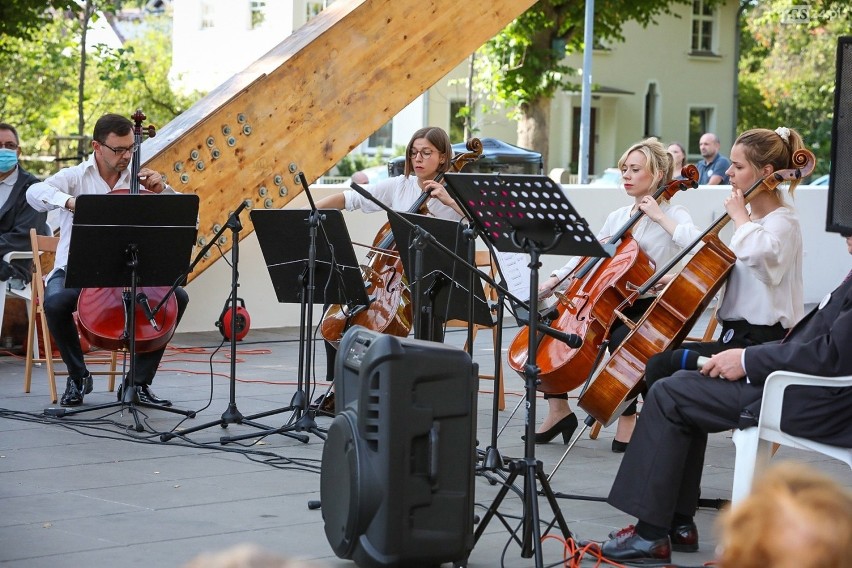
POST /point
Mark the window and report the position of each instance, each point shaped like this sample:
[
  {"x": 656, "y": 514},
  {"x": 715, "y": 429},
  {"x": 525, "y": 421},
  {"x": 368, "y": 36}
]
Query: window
[
  {"x": 700, "y": 121},
  {"x": 703, "y": 24},
  {"x": 207, "y": 16},
  {"x": 381, "y": 138},
  {"x": 456, "y": 122},
  {"x": 313, "y": 9},
  {"x": 258, "y": 13},
  {"x": 652, "y": 119}
]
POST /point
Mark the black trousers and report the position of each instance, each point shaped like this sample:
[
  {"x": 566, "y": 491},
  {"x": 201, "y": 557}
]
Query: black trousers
[
  {"x": 660, "y": 473},
  {"x": 60, "y": 303}
]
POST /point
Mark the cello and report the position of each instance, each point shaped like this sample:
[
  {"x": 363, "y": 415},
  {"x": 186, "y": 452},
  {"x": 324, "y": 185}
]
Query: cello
[
  {"x": 103, "y": 312},
  {"x": 676, "y": 309},
  {"x": 390, "y": 309},
  {"x": 599, "y": 287}
]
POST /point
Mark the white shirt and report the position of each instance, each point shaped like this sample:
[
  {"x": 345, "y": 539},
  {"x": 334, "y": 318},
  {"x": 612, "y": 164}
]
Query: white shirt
[
  {"x": 55, "y": 191},
  {"x": 652, "y": 238},
  {"x": 398, "y": 193},
  {"x": 6, "y": 187},
  {"x": 765, "y": 286}
]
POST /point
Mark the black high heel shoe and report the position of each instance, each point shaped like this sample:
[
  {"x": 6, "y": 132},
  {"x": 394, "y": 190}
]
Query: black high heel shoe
[{"x": 566, "y": 427}]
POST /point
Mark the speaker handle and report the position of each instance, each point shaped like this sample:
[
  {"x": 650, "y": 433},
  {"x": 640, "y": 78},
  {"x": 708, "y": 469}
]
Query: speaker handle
[{"x": 434, "y": 454}]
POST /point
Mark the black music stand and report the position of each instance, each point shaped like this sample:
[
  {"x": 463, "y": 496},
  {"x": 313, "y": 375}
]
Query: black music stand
[
  {"x": 532, "y": 214},
  {"x": 438, "y": 275},
  {"x": 232, "y": 414},
  {"x": 140, "y": 241},
  {"x": 284, "y": 236}
]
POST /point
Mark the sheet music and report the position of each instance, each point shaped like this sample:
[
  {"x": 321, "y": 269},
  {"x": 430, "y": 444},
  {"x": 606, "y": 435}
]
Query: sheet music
[{"x": 515, "y": 269}]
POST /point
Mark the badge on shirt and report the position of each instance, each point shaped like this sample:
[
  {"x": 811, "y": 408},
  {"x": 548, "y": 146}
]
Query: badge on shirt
[
  {"x": 729, "y": 335},
  {"x": 824, "y": 301}
]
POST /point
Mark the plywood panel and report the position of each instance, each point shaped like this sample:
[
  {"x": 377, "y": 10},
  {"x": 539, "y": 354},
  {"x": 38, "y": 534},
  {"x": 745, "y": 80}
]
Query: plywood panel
[{"x": 314, "y": 97}]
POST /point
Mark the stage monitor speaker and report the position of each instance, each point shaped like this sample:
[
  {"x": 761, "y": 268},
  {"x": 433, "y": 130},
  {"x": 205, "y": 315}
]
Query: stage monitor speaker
[
  {"x": 840, "y": 182},
  {"x": 398, "y": 464}
]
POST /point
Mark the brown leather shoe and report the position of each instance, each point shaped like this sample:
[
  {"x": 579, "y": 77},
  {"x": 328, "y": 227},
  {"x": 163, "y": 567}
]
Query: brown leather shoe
[{"x": 684, "y": 538}]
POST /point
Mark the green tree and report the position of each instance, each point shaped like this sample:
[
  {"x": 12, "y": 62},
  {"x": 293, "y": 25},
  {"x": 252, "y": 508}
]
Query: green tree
[
  {"x": 787, "y": 70},
  {"x": 47, "y": 91},
  {"x": 523, "y": 66}
]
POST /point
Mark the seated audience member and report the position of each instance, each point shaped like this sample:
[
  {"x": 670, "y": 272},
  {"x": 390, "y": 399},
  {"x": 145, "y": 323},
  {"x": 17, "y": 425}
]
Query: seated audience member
[
  {"x": 660, "y": 475},
  {"x": 796, "y": 517},
  {"x": 246, "y": 556},
  {"x": 16, "y": 215}
]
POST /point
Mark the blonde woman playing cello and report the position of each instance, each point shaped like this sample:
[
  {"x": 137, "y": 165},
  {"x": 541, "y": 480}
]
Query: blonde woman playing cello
[{"x": 662, "y": 232}]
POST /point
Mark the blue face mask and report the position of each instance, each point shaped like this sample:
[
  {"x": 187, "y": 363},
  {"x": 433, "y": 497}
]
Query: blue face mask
[{"x": 8, "y": 160}]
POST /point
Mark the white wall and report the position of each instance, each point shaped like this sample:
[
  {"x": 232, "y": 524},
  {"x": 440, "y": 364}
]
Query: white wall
[{"x": 826, "y": 260}]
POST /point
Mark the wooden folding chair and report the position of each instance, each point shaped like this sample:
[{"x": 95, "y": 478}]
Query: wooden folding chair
[
  {"x": 484, "y": 261},
  {"x": 44, "y": 248}
]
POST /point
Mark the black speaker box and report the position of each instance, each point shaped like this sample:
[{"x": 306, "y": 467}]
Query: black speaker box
[
  {"x": 398, "y": 464},
  {"x": 840, "y": 183}
]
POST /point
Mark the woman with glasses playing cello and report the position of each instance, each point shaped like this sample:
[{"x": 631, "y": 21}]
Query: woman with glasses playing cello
[
  {"x": 428, "y": 156},
  {"x": 107, "y": 169},
  {"x": 661, "y": 233}
]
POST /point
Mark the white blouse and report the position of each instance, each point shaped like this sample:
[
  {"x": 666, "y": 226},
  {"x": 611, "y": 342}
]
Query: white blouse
[
  {"x": 652, "y": 238},
  {"x": 398, "y": 193},
  {"x": 765, "y": 286}
]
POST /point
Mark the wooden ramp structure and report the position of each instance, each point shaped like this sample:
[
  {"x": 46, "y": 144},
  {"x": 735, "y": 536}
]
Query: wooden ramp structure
[{"x": 309, "y": 101}]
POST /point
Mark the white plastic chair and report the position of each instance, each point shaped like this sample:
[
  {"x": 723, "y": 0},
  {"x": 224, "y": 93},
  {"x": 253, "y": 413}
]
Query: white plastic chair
[{"x": 754, "y": 445}]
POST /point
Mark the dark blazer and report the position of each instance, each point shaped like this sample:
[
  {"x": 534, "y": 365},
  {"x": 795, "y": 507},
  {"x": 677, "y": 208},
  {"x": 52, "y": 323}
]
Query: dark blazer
[
  {"x": 820, "y": 344},
  {"x": 16, "y": 219}
]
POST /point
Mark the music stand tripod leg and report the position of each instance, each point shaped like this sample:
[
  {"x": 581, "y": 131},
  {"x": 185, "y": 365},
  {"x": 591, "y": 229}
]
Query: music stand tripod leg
[
  {"x": 303, "y": 417},
  {"x": 232, "y": 414}
]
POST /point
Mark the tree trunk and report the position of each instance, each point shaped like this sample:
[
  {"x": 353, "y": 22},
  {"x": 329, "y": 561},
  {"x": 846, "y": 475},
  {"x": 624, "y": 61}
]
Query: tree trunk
[{"x": 534, "y": 129}]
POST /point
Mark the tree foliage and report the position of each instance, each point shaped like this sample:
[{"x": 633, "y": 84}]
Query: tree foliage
[
  {"x": 787, "y": 70},
  {"x": 40, "y": 80}
]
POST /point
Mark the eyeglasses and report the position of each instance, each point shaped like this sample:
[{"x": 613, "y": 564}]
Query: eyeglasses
[
  {"x": 9, "y": 145},
  {"x": 121, "y": 151},
  {"x": 425, "y": 153}
]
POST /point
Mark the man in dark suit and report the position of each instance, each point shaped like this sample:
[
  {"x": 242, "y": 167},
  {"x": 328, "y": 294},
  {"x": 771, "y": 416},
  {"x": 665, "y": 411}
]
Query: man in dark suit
[
  {"x": 16, "y": 215},
  {"x": 659, "y": 477}
]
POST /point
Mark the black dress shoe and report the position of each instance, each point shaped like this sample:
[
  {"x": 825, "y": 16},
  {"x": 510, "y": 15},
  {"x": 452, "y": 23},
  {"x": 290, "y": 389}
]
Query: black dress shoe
[
  {"x": 684, "y": 538},
  {"x": 324, "y": 405},
  {"x": 145, "y": 395},
  {"x": 73, "y": 395},
  {"x": 628, "y": 547},
  {"x": 87, "y": 383},
  {"x": 619, "y": 447},
  {"x": 566, "y": 427}
]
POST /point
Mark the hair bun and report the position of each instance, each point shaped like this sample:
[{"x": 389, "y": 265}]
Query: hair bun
[{"x": 784, "y": 133}]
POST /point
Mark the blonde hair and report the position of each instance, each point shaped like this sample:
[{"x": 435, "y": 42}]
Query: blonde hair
[
  {"x": 764, "y": 147},
  {"x": 657, "y": 159},
  {"x": 796, "y": 517}
]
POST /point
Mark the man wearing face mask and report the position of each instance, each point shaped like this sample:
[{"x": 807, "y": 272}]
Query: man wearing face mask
[{"x": 16, "y": 215}]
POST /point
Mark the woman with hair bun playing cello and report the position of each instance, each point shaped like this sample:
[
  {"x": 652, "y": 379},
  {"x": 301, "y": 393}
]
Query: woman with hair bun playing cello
[
  {"x": 763, "y": 295},
  {"x": 661, "y": 233}
]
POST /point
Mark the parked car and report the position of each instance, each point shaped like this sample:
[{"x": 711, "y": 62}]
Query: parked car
[
  {"x": 374, "y": 174},
  {"x": 821, "y": 180},
  {"x": 610, "y": 177}
]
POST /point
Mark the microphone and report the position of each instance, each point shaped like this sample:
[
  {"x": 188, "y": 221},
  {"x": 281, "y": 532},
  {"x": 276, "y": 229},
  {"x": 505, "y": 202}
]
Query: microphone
[
  {"x": 142, "y": 300},
  {"x": 570, "y": 339},
  {"x": 688, "y": 359}
]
